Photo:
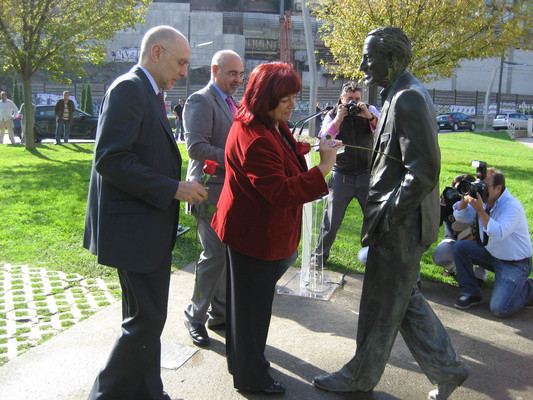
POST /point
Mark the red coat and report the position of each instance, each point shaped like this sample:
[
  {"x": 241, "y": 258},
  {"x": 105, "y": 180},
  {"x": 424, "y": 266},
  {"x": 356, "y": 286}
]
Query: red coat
[{"x": 260, "y": 208}]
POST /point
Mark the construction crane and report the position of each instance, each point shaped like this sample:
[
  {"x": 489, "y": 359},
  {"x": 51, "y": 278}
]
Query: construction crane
[{"x": 285, "y": 35}]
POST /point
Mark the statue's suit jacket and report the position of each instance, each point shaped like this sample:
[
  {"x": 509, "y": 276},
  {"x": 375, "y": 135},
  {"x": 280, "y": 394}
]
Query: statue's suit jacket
[
  {"x": 207, "y": 121},
  {"x": 406, "y": 166},
  {"x": 131, "y": 213}
]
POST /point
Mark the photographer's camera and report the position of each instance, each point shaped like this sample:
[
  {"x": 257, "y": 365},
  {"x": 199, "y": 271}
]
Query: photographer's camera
[
  {"x": 467, "y": 188},
  {"x": 451, "y": 195},
  {"x": 352, "y": 108}
]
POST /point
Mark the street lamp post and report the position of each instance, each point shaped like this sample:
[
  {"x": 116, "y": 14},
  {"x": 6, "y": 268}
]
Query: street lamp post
[{"x": 498, "y": 97}]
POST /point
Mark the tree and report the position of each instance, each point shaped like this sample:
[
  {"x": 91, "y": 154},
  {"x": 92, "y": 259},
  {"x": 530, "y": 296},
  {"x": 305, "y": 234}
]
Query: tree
[
  {"x": 60, "y": 36},
  {"x": 17, "y": 99},
  {"x": 20, "y": 94},
  {"x": 442, "y": 32},
  {"x": 83, "y": 97},
  {"x": 88, "y": 100}
]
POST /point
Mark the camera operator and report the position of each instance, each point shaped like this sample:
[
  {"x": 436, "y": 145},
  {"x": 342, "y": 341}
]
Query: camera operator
[
  {"x": 502, "y": 245},
  {"x": 353, "y": 122},
  {"x": 453, "y": 230}
]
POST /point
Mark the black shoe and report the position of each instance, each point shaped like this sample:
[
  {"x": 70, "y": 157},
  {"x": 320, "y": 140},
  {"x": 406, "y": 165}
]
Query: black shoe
[
  {"x": 217, "y": 327},
  {"x": 198, "y": 333},
  {"x": 467, "y": 301},
  {"x": 275, "y": 388}
]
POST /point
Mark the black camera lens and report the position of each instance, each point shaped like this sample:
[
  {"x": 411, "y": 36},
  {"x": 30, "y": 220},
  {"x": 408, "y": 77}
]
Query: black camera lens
[
  {"x": 464, "y": 188},
  {"x": 352, "y": 108},
  {"x": 472, "y": 188}
]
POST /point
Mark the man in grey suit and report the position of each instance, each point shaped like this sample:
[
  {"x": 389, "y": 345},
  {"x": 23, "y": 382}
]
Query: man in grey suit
[
  {"x": 207, "y": 119},
  {"x": 401, "y": 219},
  {"x": 132, "y": 210}
]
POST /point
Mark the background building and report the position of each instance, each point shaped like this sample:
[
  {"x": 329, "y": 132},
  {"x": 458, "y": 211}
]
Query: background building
[{"x": 259, "y": 32}]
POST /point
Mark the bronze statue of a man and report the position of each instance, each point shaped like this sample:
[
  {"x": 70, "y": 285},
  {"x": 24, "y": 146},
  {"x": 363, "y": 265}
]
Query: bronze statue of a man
[{"x": 401, "y": 219}]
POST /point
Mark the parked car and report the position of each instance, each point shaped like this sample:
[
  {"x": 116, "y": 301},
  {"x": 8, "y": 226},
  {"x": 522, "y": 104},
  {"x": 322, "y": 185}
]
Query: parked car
[
  {"x": 502, "y": 121},
  {"x": 83, "y": 125},
  {"x": 456, "y": 121}
]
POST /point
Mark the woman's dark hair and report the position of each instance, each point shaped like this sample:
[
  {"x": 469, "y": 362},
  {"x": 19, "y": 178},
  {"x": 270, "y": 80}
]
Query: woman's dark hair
[{"x": 267, "y": 85}]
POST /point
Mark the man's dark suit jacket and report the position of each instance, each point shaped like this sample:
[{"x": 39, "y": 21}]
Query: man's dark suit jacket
[
  {"x": 131, "y": 214},
  {"x": 407, "y": 177}
]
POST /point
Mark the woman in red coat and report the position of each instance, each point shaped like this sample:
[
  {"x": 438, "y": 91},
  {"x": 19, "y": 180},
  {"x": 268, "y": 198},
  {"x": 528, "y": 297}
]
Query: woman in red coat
[{"x": 259, "y": 214}]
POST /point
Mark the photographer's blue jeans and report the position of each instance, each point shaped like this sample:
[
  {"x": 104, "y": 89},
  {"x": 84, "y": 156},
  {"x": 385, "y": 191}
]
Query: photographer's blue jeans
[
  {"x": 62, "y": 128},
  {"x": 512, "y": 288}
]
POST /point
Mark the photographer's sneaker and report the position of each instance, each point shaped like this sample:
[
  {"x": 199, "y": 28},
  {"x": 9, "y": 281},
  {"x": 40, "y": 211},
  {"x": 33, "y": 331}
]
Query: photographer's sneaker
[{"x": 467, "y": 301}]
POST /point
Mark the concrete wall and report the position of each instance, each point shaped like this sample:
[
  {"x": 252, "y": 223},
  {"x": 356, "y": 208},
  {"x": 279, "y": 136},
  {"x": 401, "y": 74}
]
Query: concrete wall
[
  {"x": 476, "y": 75},
  {"x": 205, "y": 27}
]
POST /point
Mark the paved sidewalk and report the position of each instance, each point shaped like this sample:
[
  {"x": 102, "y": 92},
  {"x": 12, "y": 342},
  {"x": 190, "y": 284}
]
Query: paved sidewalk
[
  {"x": 39, "y": 304},
  {"x": 528, "y": 141},
  {"x": 308, "y": 337}
]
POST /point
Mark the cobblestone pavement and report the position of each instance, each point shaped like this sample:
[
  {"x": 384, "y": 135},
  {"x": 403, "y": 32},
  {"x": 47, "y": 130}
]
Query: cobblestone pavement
[{"x": 36, "y": 304}]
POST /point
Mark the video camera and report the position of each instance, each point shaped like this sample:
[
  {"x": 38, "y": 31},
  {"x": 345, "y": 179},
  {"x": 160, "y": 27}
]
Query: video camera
[{"x": 465, "y": 187}]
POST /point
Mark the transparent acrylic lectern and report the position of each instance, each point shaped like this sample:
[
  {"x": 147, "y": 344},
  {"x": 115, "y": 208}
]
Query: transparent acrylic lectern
[{"x": 310, "y": 280}]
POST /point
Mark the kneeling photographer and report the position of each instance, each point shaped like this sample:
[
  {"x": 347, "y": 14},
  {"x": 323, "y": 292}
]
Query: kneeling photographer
[
  {"x": 502, "y": 244},
  {"x": 353, "y": 122},
  {"x": 453, "y": 230}
]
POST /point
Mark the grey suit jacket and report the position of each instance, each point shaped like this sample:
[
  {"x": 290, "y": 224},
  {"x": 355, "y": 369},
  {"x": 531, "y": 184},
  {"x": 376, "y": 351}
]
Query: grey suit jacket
[
  {"x": 405, "y": 177},
  {"x": 131, "y": 213},
  {"x": 206, "y": 121}
]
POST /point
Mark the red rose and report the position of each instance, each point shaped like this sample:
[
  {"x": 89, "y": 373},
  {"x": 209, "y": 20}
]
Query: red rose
[
  {"x": 302, "y": 148},
  {"x": 210, "y": 167}
]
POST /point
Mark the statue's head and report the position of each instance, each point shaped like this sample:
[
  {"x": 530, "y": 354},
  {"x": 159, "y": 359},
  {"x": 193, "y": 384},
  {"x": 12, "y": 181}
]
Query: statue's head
[{"x": 386, "y": 54}]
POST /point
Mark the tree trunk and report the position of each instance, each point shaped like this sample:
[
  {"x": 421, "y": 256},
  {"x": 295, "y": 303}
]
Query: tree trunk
[{"x": 29, "y": 119}]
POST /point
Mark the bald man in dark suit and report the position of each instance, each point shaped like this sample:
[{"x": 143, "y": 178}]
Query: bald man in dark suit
[{"x": 132, "y": 210}]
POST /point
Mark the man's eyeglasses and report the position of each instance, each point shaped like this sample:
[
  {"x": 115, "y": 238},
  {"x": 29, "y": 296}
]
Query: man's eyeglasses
[
  {"x": 183, "y": 62},
  {"x": 234, "y": 74}
]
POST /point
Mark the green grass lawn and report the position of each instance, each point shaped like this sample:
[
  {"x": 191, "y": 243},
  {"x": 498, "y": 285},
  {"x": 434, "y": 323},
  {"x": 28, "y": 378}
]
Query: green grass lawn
[{"x": 43, "y": 196}]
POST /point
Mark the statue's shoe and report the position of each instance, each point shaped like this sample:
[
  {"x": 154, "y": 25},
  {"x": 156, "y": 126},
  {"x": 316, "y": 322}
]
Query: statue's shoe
[
  {"x": 340, "y": 381},
  {"x": 445, "y": 389}
]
